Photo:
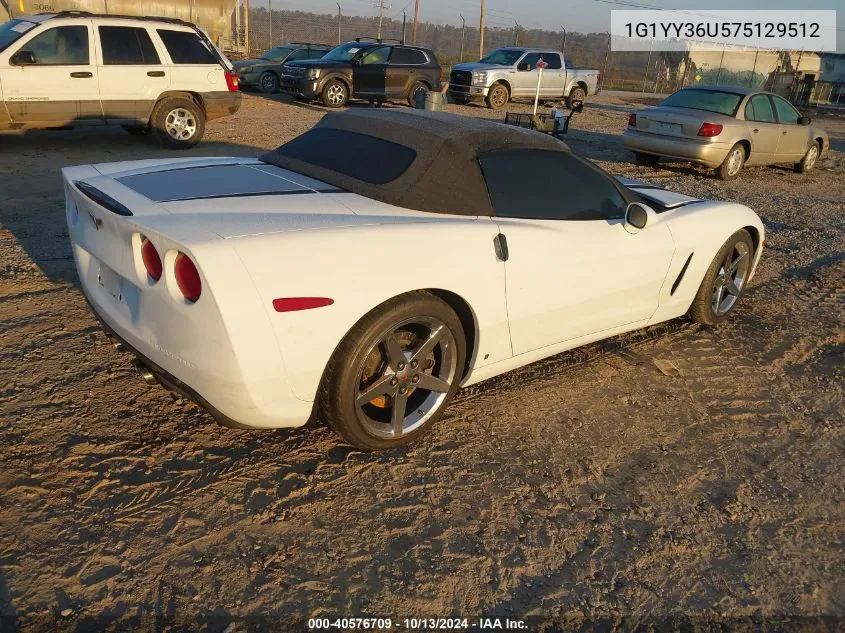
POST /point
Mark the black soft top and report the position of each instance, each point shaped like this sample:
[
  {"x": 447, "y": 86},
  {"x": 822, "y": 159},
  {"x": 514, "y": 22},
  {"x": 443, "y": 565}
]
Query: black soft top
[{"x": 416, "y": 159}]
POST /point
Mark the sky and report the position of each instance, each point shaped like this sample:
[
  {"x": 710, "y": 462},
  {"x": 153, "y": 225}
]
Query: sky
[{"x": 583, "y": 16}]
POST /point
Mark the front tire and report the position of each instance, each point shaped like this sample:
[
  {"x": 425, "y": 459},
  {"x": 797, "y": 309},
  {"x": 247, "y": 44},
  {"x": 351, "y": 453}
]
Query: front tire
[
  {"x": 268, "y": 82},
  {"x": 497, "y": 97},
  {"x": 725, "y": 280},
  {"x": 394, "y": 373},
  {"x": 177, "y": 123},
  {"x": 732, "y": 165},
  {"x": 809, "y": 161},
  {"x": 335, "y": 94}
]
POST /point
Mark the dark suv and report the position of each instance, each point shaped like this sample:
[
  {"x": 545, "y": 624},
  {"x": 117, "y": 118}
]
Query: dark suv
[
  {"x": 265, "y": 71},
  {"x": 375, "y": 71}
]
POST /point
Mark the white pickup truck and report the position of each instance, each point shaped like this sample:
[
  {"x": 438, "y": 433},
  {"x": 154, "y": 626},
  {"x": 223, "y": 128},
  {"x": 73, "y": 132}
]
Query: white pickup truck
[{"x": 511, "y": 72}]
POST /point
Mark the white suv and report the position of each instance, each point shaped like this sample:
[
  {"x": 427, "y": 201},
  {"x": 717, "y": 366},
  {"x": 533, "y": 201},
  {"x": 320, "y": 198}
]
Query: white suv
[{"x": 156, "y": 75}]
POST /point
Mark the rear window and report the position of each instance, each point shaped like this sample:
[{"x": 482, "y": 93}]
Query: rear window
[
  {"x": 360, "y": 156},
  {"x": 127, "y": 46},
  {"x": 716, "y": 101},
  {"x": 185, "y": 47}
]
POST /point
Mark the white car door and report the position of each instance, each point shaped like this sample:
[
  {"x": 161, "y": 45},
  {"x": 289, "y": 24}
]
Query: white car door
[
  {"x": 572, "y": 267},
  {"x": 131, "y": 73},
  {"x": 49, "y": 75}
]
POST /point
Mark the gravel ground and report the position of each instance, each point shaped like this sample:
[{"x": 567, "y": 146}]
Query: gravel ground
[{"x": 681, "y": 471}]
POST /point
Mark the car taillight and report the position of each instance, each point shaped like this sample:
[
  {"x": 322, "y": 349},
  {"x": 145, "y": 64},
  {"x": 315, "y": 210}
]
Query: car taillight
[
  {"x": 152, "y": 261},
  {"x": 632, "y": 120},
  {"x": 187, "y": 277},
  {"x": 710, "y": 129},
  {"x": 232, "y": 81}
]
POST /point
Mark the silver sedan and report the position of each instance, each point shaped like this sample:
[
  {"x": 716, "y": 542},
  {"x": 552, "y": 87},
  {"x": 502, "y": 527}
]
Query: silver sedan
[{"x": 725, "y": 128}]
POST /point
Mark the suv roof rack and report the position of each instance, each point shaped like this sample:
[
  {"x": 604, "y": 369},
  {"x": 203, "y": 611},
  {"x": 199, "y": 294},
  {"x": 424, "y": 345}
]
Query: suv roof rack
[
  {"x": 379, "y": 40},
  {"x": 143, "y": 18},
  {"x": 310, "y": 44}
]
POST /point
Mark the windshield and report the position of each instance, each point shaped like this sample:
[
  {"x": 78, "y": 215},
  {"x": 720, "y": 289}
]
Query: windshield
[
  {"x": 708, "y": 100},
  {"x": 502, "y": 57},
  {"x": 13, "y": 29},
  {"x": 277, "y": 54},
  {"x": 345, "y": 52}
]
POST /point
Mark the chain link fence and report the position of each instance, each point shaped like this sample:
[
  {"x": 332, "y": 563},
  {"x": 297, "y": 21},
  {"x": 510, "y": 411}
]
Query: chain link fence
[{"x": 799, "y": 76}]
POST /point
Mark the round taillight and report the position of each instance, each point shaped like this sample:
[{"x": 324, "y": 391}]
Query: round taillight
[
  {"x": 152, "y": 262},
  {"x": 187, "y": 277}
]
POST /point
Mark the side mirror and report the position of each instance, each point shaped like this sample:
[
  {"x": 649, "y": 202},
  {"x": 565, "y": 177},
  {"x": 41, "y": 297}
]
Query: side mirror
[
  {"x": 804, "y": 120},
  {"x": 636, "y": 216},
  {"x": 523, "y": 67},
  {"x": 23, "y": 58},
  {"x": 356, "y": 61}
]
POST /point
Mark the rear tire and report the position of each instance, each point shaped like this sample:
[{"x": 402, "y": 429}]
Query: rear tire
[
  {"x": 335, "y": 94},
  {"x": 725, "y": 281},
  {"x": 576, "y": 94},
  {"x": 374, "y": 371},
  {"x": 645, "y": 160},
  {"x": 809, "y": 161},
  {"x": 732, "y": 165},
  {"x": 417, "y": 87},
  {"x": 177, "y": 123},
  {"x": 497, "y": 97}
]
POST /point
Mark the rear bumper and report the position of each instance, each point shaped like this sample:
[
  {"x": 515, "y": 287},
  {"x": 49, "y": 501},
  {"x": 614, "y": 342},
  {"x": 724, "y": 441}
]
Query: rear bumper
[
  {"x": 219, "y": 104},
  {"x": 704, "y": 152}
]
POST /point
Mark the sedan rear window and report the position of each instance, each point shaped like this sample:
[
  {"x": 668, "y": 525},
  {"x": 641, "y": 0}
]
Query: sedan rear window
[
  {"x": 716, "y": 101},
  {"x": 360, "y": 156}
]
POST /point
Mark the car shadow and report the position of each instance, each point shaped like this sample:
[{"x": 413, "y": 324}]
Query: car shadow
[
  {"x": 35, "y": 217},
  {"x": 8, "y": 613}
]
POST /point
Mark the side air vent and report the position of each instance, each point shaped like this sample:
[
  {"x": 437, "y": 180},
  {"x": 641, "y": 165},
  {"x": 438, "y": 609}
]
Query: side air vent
[
  {"x": 681, "y": 275},
  {"x": 103, "y": 199}
]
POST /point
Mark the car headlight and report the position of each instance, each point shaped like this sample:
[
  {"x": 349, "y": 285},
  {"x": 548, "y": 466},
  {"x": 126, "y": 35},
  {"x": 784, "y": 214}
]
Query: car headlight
[
  {"x": 479, "y": 77},
  {"x": 245, "y": 69},
  {"x": 313, "y": 73}
]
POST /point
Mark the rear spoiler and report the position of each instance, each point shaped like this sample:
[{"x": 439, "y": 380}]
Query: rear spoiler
[{"x": 101, "y": 198}]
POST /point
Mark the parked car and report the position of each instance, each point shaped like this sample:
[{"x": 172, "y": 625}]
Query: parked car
[
  {"x": 266, "y": 71},
  {"x": 511, "y": 72},
  {"x": 376, "y": 71},
  {"x": 154, "y": 75},
  {"x": 368, "y": 268},
  {"x": 725, "y": 128}
]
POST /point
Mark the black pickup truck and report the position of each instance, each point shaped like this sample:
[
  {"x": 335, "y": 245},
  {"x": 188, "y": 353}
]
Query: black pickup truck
[{"x": 372, "y": 70}]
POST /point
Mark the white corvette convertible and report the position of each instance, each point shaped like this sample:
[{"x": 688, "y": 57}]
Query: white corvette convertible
[{"x": 367, "y": 269}]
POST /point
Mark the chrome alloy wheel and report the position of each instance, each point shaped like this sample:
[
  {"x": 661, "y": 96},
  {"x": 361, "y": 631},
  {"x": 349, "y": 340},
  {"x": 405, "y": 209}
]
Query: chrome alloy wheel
[
  {"x": 735, "y": 161},
  {"x": 731, "y": 278},
  {"x": 336, "y": 94},
  {"x": 406, "y": 376},
  {"x": 180, "y": 124},
  {"x": 812, "y": 156}
]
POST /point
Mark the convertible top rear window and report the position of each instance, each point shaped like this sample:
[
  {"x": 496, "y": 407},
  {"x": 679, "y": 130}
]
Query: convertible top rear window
[{"x": 360, "y": 156}]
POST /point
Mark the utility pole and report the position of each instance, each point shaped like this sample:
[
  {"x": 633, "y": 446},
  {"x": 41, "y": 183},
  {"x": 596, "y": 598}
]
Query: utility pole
[
  {"x": 270, "y": 8},
  {"x": 416, "y": 21},
  {"x": 515, "y": 33},
  {"x": 381, "y": 6},
  {"x": 563, "y": 48},
  {"x": 339, "y": 15},
  {"x": 463, "y": 32},
  {"x": 246, "y": 26},
  {"x": 481, "y": 33},
  {"x": 404, "y": 22}
]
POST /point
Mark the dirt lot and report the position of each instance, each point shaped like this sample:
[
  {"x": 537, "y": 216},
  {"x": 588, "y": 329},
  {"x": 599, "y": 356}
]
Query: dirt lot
[{"x": 684, "y": 471}]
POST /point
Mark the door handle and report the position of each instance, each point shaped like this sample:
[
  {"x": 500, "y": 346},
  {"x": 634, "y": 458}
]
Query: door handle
[
  {"x": 500, "y": 245},
  {"x": 82, "y": 75},
  {"x": 155, "y": 73},
  {"x": 755, "y": 130},
  {"x": 784, "y": 132}
]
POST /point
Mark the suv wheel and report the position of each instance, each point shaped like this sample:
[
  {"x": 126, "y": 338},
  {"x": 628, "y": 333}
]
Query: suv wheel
[
  {"x": 178, "y": 123},
  {"x": 498, "y": 97},
  {"x": 269, "y": 82},
  {"x": 335, "y": 94},
  {"x": 418, "y": 87}
]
